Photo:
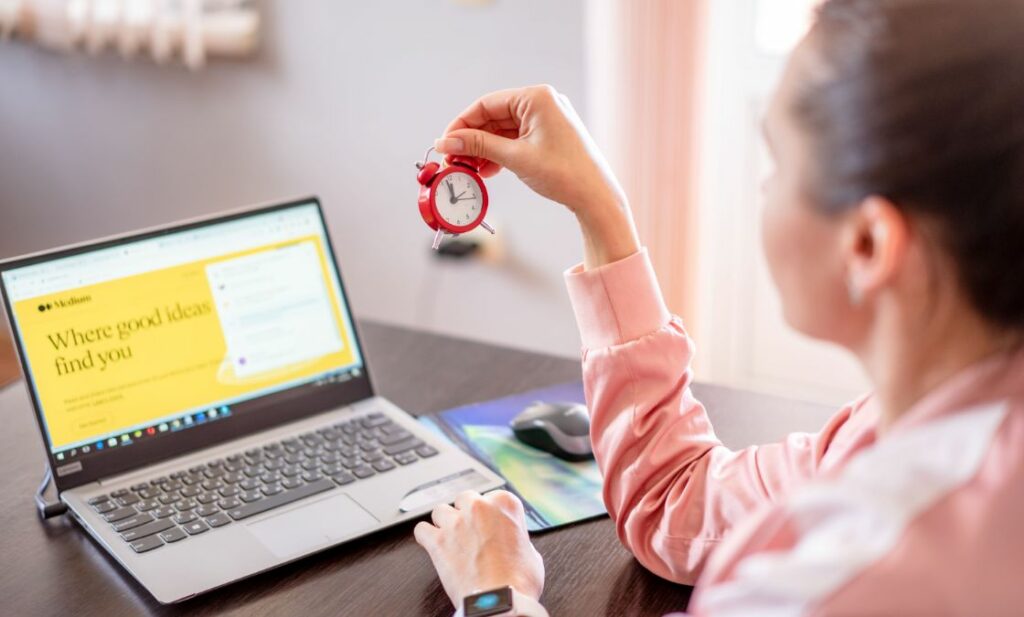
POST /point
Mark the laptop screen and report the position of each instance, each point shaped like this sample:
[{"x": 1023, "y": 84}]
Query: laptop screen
[{"x": 173, "y": 332}]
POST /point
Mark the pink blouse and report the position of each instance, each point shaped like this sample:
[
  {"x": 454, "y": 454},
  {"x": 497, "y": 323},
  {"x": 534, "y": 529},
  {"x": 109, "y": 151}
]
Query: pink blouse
[{"x": 927, "y": 519}]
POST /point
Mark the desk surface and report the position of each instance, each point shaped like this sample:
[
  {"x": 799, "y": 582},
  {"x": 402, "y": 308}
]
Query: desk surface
[{"x": 56, "y": 569}]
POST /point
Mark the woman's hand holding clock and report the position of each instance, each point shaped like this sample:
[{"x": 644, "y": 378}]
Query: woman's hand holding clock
[{"x": 536, "y": 134}]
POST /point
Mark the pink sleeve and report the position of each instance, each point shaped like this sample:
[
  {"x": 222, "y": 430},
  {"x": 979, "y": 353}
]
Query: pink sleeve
[{"x": 671, "y": 487}]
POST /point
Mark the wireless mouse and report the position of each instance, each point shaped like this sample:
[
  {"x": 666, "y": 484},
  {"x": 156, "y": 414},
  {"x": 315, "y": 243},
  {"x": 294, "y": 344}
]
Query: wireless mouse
[{"x": 562, "y": 429}]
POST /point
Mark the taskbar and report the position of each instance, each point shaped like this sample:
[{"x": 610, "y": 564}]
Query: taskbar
[
  {"x": 128, "y": 438},
  {"x": 180, "y": 423}
]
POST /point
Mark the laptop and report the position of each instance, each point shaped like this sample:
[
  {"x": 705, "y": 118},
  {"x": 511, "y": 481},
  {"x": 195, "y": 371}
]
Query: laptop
[{"x": 204, "y": 398}]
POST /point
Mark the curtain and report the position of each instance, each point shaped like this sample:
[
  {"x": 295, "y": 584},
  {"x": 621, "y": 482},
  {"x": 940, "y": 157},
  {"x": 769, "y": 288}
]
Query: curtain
[{"x": 644, "y": 59}]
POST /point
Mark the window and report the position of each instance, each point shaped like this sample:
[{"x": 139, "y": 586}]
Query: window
[{"x": 742, "y": 337}]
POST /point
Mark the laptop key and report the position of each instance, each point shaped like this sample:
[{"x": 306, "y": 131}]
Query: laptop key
[
  {"x": 250, "y": 496},
  {"x": 127, "y": 500},
  {"x": 206, "y": 510},
  {"x": 212, "y": 485},
  {"x": 406, "y": 458},
  {"x": 191, "y": 491},
  {"x": 148, "y": 529},
  {"x": 391, "y": 428},
  {"x": 207, "y": 498},
  {"x": 290, "y": 483},
  {"x": 168, "y": 498},
  {"x": 119, "y": 514},
  {"x": 105, "y": 506},
  {"x": 149, "y": 493},
  {"x": 395, "y": 437},
  {"x": 402, "y": 446},
  {"x": 184, "y": 517},
  {"x": 148, "y": 504},
  {"x": 98, "y": 500},
  {"x": 383, "y": 465},
  {"x": 139, "y": 487},
  {"x": 229, "y": 491},
  {"x": 185, "y": 504},
  {"x": 146, "y": 544},
  {"x": 426, "y": 451},
  {"x": 218, "y": 520},
  {"x": 173, "y": 535},
  {"x": 121, "y": 492},
  {"x": 230, "y": 502},
  {"x": 343, "y": 478},
  {"x": 281, "y": 499},
  {"x": 375, "y": 420},
  {"x": 131, "y": 523},
  {"x": 195, "y": 528},
  {"x": 164, "y": 512},
  {"x": 363, "y": 472}
]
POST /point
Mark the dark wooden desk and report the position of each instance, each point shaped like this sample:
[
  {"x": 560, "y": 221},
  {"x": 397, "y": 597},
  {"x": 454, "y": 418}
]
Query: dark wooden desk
[{"x": 56, "y": 569}]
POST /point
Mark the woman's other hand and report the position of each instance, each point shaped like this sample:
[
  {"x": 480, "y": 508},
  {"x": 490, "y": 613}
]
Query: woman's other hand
[
  {"x": 482, "y": 544},
  {"x": 536, "y": 134}
]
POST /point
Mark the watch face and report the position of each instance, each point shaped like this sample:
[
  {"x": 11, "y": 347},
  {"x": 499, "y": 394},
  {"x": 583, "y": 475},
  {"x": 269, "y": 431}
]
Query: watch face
[
  {"x": 459, "y": 199},
  {"x": 494, "y": 602}
]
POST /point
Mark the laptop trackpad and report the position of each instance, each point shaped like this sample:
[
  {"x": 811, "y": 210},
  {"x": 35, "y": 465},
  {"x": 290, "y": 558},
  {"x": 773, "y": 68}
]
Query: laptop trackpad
[{"x": 312, "y": 526}]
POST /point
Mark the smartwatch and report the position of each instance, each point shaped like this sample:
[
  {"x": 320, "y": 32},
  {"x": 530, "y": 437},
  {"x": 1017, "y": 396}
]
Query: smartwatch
[{"x": 503, "y": 601}]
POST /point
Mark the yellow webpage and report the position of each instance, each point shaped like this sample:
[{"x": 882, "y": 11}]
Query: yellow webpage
[{"x": 123, "y": 353}]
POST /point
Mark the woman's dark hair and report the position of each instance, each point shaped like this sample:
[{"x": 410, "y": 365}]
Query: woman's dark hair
[{"x": 922, "y": 102}]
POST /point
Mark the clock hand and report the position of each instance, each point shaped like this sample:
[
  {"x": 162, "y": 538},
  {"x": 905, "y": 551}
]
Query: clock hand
[
  {"x": 460, "y": 194},
  {"x": 451, "y": 192}
]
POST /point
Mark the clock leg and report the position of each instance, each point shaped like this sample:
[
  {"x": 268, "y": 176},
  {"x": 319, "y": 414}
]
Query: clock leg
[
  {"x": 486, "y": 226},
  {"x": 437, "y": 238}
]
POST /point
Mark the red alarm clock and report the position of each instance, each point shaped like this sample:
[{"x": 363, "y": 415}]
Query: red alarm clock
[{"x": 453, "y": 198}]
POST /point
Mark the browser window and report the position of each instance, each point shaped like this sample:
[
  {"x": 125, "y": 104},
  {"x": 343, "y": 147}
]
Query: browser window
[{"x": 170, "y": 332}]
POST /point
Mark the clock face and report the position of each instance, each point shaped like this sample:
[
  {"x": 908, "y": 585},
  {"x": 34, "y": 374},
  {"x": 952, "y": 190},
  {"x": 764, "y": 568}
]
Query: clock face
[{"x": 459, "y": 199}]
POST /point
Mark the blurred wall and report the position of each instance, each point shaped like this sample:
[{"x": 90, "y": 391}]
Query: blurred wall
[{"x": 341, "y": 100}]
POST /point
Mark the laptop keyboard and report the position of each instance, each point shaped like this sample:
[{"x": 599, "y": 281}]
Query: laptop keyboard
[{"x": 190, "y": 502}]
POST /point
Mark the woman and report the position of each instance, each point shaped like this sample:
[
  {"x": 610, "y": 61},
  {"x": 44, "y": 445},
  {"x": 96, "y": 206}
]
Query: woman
[{"x": 894, "y": 227}]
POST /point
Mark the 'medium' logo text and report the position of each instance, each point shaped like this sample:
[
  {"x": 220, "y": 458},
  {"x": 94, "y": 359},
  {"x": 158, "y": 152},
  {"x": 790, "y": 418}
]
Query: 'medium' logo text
[{"x": 64, "y": 302}]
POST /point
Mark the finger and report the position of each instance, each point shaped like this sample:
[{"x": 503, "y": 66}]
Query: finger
[
  {"x": 490, "y": 169},
  {"x": 504, "y": 500},
  {"x": 465, "y": 499},
  {"x": 443, "y": 515},
  {"x": 498, "y": 107},
  {"x": 481, "y": 144},
  {"x": 426, "y": 535}
]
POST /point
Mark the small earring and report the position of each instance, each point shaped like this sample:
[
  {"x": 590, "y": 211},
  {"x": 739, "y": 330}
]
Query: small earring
[{"x": 854, "y": 291}]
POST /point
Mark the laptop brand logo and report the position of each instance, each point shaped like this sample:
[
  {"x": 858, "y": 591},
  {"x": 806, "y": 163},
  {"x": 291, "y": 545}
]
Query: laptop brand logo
[{"x": 70, "y": 468}]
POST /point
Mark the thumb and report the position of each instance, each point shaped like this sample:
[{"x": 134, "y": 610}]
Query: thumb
[{"x": 481, "y": 144}]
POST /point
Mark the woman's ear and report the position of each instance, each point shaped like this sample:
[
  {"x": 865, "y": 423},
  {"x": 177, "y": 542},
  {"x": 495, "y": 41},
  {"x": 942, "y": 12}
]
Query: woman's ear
[{"x": 875, "y": 246}]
